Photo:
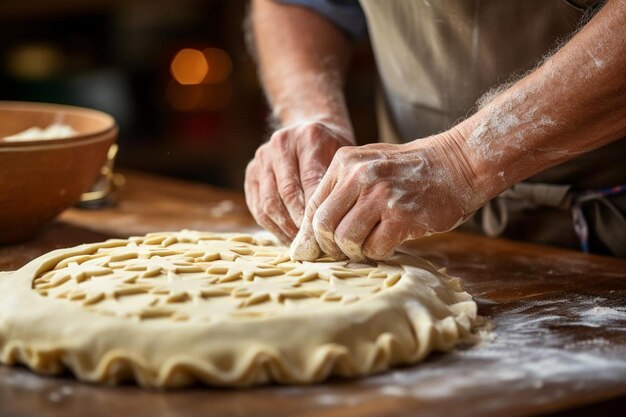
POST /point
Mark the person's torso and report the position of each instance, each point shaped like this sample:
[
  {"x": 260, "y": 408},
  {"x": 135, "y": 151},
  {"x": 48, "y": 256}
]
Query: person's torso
[{"x": 436, "y": 58}]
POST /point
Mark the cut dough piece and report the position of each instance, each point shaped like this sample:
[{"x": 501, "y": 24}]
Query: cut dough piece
[{"x": 172, "y": 309}]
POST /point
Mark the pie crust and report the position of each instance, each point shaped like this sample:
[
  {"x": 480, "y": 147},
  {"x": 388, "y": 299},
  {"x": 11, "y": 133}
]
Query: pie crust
[{"x": 176, "y": 308}]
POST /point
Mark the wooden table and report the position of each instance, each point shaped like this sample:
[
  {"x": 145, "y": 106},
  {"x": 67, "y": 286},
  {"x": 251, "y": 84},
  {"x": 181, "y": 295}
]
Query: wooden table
[{"x": 559, "y": 338}]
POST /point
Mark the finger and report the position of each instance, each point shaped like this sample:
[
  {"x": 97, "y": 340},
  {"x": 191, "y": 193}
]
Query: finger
[
  {"x": 253, "y": 202},
  {"x": 385, "y": 238},
  {"x": 356, "y": 226},
  {"x": 289, "y": 187},
  {"x": 313, "y": 165},
  {"x": 268, "y": 224},
  {"x": 273, "y": 207},
  {"x": 328, "y": 216},
  {"x": 305, "y": 247},
  {"x": 315, "y": 153}
]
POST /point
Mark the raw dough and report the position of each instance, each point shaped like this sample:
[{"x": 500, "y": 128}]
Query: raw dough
[{"x": 171, "y": 309}]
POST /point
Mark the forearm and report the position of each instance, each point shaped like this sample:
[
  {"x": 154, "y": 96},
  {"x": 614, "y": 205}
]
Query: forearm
[
  {"x": 573, "y": 103},
  {"x": 302, "y": 60}
]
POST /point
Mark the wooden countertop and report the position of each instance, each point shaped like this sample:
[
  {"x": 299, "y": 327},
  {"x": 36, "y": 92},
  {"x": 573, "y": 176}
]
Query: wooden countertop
[{"x": 559, "y": 338}]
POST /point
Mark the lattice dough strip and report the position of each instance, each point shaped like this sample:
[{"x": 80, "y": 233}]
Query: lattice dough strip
[{"x": 156, "y": 265}]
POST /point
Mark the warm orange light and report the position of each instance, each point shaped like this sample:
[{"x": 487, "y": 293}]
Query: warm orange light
[
  {"x": 189, "y": 67},
  {"x": 35, "y": 62},
  {"x": 220, "y": 65}
]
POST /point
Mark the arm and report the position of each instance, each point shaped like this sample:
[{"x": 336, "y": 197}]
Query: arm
[
  {"x": 573, "y": 103},
  {"x": 376, "y": 196},
  {"x": 302, "y": 59}
]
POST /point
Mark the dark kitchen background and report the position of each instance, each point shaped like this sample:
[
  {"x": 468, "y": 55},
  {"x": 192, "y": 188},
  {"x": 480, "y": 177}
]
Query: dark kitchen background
[{"x": 175, "y": 74}]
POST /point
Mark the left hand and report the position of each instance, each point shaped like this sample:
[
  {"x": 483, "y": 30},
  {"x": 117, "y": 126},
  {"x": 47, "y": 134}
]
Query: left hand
[
  {"x": 286, "y": 170},
  {"x": 374, "y": 197}
]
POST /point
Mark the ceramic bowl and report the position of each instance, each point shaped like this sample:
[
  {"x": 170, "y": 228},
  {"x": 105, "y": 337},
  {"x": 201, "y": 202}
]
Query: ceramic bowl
[{"x": 40, "y": 178}]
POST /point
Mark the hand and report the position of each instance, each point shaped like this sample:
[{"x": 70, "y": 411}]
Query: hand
[
  {"x": 285, "y": 172},
  {"x": 374, "y": 197}
]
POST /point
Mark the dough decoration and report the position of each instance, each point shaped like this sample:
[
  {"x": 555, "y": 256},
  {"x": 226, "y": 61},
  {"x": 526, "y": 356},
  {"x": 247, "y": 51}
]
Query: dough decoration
[
  {"x": 170, "y": 309},
  {"x": 169, "y": 276}
]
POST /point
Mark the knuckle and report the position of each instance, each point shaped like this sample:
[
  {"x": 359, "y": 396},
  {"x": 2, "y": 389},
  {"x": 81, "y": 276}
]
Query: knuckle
[
  {"x": 269, "y": 206},
  {"x": 279, "y": 134},
  {"x": 279, "y": 138},
  {"x": 346, "y": 155},
  {"x": 317, "y": 221},
  {"x": 289, "y": 190},
  {"x": 259, "y": 154},
  {"x": 321, "y": 222},
  {"x": 311, "y": 178},
  {"x": 344, "y": 152},
  {"x": 316, "y": 130}
]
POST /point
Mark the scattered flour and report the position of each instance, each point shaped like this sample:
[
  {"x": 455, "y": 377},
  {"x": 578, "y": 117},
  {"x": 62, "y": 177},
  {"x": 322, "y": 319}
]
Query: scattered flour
[
  {"x": 53, "y": 131},
  {"x": 489, "y": 138},
  {"x": 530, "y": 349},
  {"x": 603, "y": 316}
]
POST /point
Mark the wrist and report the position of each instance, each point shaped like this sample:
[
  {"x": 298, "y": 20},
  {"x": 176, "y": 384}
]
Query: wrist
[
  {"x": 470, "y": 183},
  {"x": 341, "y": 128},
  {"x": 487, "y": 173},
  {"x": 312, "y": 98}
]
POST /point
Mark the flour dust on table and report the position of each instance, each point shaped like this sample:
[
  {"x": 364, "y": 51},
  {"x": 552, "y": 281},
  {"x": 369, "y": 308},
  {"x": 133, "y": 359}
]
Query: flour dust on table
[{"x": 177, "y": 308}]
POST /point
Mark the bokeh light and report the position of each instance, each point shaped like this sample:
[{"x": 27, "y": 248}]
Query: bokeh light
[
  {"x": 189, "y": 67},
  {"x": 220, "y": 65},
  {"x": 34, "y": 62}
]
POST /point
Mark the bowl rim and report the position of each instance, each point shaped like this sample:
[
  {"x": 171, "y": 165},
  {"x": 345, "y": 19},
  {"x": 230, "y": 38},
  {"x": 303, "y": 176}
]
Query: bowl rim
[{"x": 28, "y": 106}]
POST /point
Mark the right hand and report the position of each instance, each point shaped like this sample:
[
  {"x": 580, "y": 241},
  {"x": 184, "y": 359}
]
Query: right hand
[
  {"x": 374, "y": 197},
  {"x": 285, "y": 172}
]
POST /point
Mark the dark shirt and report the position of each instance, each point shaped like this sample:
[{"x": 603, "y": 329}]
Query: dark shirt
[{"x": 347, "y": 15}]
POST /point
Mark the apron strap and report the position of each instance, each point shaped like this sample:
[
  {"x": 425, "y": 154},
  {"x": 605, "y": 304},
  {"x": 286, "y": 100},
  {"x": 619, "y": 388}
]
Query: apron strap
[
  {"x": 608, "y": 218},
  {"x": 495, "y": 214}
]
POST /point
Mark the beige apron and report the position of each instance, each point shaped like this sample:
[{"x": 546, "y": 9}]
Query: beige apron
[{"x": 437, "y": 57}]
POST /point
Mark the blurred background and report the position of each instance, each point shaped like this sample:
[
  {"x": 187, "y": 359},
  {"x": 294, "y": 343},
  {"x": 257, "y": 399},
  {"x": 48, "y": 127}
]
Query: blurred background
[{"x": 176, "y": 75}]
